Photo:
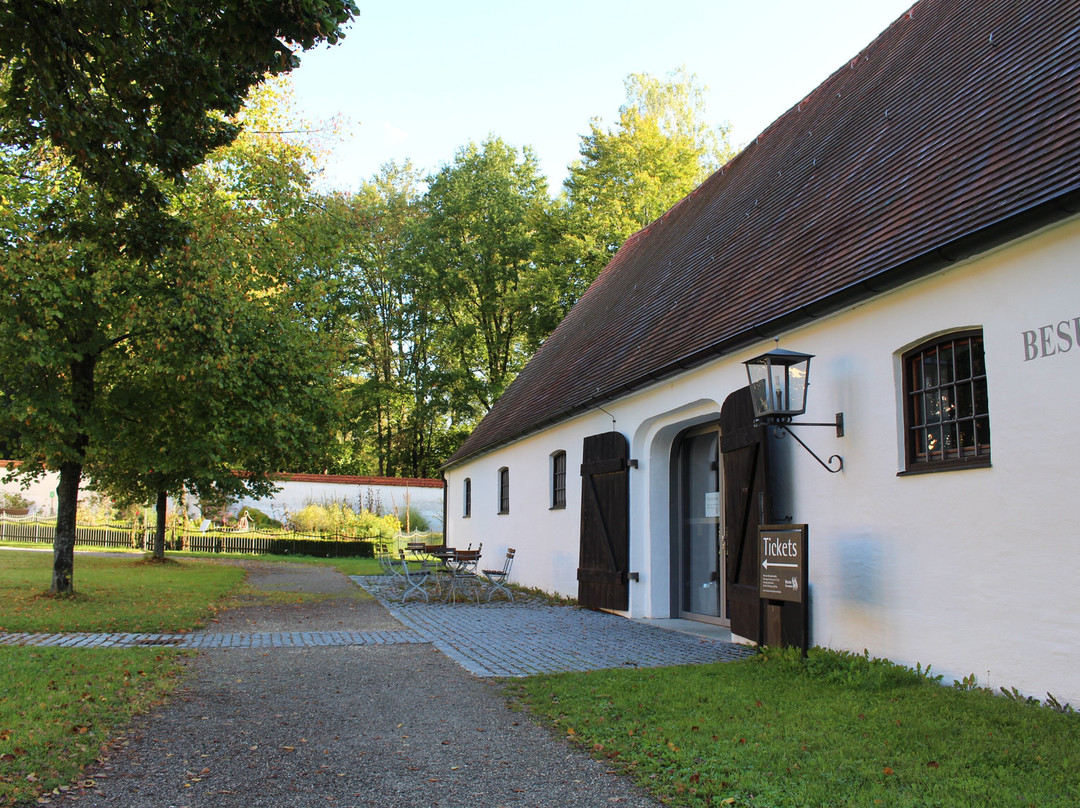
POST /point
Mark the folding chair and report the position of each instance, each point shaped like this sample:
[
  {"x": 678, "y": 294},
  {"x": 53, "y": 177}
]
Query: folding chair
[
  {"x": 414, "y": 579},
  {"x": 496, "y": 579},
  {"x": 463, "y": 571},
  {"x": 386, "y": 561}
]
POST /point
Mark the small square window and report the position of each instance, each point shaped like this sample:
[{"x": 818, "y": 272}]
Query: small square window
[{"x": 946, "y": 410}]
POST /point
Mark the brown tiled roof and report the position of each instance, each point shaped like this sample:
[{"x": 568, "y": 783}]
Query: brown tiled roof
[{"x": 956, "y": 129}]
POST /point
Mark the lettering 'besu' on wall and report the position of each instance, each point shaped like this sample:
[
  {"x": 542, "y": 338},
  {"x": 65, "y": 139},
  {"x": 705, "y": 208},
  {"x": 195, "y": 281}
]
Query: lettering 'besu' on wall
[{"x": 1048, "y": 340}]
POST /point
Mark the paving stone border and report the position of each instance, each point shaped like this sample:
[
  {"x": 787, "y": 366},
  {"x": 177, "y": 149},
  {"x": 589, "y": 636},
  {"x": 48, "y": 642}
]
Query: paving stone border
[{"x": 202, "y": 641}]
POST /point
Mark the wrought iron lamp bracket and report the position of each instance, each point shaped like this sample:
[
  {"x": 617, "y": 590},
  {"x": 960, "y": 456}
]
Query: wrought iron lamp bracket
[{"x": 780, "y": 427}]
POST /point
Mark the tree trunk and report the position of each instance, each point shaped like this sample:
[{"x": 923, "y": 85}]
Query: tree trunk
[
  {"x": 67, "y": 491},
  {"x": 67, "y": 502},
  {"x": 159, "y": 534}
]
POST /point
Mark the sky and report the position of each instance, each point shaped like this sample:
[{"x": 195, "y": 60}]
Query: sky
[{"x": 418, "y": 79}]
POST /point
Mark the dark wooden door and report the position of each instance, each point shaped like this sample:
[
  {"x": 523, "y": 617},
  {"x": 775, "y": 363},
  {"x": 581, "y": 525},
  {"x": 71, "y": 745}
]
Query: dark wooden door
[
  {"x": 603, "y": 563},
  {"x": 746, "y": 505}
]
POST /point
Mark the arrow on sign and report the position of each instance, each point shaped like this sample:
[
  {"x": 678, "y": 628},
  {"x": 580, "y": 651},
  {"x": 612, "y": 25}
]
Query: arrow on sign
[{"x": 766, "y": 564}]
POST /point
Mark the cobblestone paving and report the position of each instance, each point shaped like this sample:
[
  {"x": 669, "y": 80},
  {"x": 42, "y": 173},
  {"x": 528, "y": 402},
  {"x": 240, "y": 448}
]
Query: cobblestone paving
[
  {"x": 202, "y": 641},
  {"x": 529, "y": 636},
  {"x": 522, "y": 638}
]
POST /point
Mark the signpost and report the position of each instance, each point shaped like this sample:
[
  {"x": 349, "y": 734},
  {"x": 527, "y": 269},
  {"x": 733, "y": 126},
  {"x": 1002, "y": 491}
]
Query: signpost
[{"x": 782, "y": 578}]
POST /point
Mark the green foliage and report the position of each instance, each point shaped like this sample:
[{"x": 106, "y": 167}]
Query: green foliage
[
  {"x": 833, "y": 729},
  {"x": 227, "y": 372},
  {"x": 12, "y": 499},
  {"x": 339, "y": 518},
  {"x": 658, "y": 152},
  {"x": 860, "y": 671},
  {"x": 259, "y": 519},
  {"x": 395, "y": 403},
  {"x": 134, "y": 94},
  {"x": 480, "y": 254},
  {"x": 414, "y": 521}
]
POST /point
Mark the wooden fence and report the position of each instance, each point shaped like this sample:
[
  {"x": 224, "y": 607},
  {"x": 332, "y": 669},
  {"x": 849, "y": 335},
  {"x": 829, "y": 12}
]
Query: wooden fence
[{"x": 133, "y": 536}]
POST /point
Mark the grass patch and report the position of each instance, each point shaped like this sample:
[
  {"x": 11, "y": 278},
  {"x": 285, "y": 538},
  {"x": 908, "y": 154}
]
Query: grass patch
[
  {"x": 346, "y": 566},
  {"x": 836, "y": 729},
  {"x": 249, "y": 596},
  {"x": 112, "y": 594},
  {"x": 59, "y": 706}
]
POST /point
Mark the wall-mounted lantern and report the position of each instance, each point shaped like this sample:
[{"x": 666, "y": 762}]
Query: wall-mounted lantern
[{"x": 779, "y": 380}]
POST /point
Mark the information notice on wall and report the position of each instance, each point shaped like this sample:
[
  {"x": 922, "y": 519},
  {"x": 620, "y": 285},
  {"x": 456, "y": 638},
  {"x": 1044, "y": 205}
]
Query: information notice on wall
[{"x": 782, "y": 573}]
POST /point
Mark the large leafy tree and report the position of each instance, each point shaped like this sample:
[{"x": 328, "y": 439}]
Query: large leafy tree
[
  {"x": 481, "y": 250},
  {"x": 660, "y": 149},
  {"x": 105, "y": 106},
  {"x": 128, "y": 90},
  {"x": 400, "y": 388},
  {"x": 378, "y": 306},
  {"x": 230, "y": 373}
]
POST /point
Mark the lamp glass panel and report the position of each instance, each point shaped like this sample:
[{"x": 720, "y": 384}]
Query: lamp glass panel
[
  {"x": 796, "y": 388},
  {"x": 759, "y": 392}
]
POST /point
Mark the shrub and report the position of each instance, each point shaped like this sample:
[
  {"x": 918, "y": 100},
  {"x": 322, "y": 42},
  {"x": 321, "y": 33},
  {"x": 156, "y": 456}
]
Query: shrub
[
  {"x": 10, "y": 499},
  {"x": 337, "y": 517},
  {"x": 860, "y": 671},
  {"x": 259, "y": 519},
  {"x": 416, "y": 520}
]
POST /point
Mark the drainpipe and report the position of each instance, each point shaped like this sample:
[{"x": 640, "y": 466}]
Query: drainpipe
[{"x": 445, "y": 523}]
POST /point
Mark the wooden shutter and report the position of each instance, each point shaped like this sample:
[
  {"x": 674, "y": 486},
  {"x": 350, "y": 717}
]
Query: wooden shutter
[
  {"x": 746, "y": 499},
  {"x": 603, "y": 580}
]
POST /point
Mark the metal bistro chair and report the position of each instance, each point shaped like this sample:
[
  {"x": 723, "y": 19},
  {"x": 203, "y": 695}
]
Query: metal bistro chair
[
  {"x": 496, "y": 579},
  {"x": 414, "y": 578},
  {"x": 463, "y": 572},
  {"x": 386, "y": 561},
  {"x": 437, "y": 558}
]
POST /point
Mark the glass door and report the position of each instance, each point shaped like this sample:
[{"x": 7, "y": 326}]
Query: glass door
[{"x": 701, "y": 559}]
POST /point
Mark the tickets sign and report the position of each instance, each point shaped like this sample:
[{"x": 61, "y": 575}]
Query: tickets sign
[{"x": 782, "y": 573}]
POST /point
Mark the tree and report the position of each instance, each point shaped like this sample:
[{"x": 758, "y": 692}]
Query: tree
[
  {"x": 230, "y": 373},
  {"x": 659, "y": 151},
  {"x": 106, "y": 106},
  {"x": 480, "y": 250},
  {"x": 132, "y": 90},
  {"x": 377, "y": 302}
]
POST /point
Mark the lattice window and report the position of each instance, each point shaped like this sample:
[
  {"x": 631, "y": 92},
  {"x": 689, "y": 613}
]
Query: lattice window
[
  {"x": 558, "y": 480},
  {"x": 946, "y": 414}
]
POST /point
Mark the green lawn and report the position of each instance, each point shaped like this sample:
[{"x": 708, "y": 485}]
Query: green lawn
[
  {"x": 838, "y": 730},
  {"x": 112, "y": 594},
  {"x": 59, "y": 705}
]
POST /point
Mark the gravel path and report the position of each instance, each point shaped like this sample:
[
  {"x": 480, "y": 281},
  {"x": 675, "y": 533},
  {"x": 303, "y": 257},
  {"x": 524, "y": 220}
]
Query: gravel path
[{"x": 397, "y": 725}]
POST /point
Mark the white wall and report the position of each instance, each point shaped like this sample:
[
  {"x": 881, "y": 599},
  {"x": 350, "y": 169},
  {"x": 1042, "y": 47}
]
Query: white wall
[
  {"x": 40, "y": 492},
  {"x": 292, "y": 497},
  {"x": 969, "y": 571}
]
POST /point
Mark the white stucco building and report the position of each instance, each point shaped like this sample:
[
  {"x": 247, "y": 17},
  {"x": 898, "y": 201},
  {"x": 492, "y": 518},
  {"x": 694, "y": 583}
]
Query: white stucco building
[{"x": 912, "y": 224}]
